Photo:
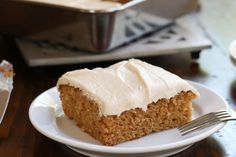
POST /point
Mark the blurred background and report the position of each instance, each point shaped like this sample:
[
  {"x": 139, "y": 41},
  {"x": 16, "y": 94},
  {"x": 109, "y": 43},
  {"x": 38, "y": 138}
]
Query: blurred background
[{"x": 49, "y": 32}]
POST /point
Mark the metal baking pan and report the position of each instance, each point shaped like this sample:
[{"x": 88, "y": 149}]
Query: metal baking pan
[{"x": 92, "y": 30}]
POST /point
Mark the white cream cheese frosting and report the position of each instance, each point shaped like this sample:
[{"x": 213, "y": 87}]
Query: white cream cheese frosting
[
  {"x": 6, "y": 82},
  {"x": 83, "y": 4},
  {"x": 126, "y": 85}
]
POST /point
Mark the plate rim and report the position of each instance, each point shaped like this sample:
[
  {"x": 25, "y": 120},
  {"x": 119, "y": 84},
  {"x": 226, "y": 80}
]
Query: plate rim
[
  {"x": 161, "y": 154},
  {"x": 128, "y": 150}
]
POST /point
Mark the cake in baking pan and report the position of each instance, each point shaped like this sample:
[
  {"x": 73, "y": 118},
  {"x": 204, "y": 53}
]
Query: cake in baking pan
[{"x": 125, "y": 101}]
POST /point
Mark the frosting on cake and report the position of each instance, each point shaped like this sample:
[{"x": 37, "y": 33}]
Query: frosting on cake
[
  {"x": 84, "y": 4},
  {"x": 126, "y": 85},
  {"x": 6, "y": 76}
]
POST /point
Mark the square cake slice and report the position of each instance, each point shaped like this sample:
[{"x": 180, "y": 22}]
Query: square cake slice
[
  {"x": 125, "y": 101},
  {"x": 6, "y": 85}
]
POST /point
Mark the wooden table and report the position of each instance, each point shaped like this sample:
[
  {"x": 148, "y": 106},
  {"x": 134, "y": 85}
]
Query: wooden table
[{"x": 214, "y": 69}]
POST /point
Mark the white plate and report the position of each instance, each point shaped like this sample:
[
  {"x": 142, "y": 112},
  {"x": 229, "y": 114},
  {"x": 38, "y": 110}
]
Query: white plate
[
  {"x": 48, "y": 118},
  {"x": 163, "y": 153}
]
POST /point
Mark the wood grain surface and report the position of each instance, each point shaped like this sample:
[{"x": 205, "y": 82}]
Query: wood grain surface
[{"x": 214, "y": 69}]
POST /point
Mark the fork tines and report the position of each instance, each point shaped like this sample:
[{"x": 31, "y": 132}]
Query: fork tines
[{"x": 205, "y": 121}]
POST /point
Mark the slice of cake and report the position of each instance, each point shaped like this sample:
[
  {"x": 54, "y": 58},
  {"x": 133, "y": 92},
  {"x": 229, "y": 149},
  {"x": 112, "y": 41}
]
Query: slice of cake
[
  {"x": 6, "y": 85},
  {"x": 125, "y": 101}
]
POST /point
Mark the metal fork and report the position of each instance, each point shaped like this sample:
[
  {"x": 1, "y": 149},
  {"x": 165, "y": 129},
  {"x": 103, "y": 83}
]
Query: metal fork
[{"x": 207, "y": 120}]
